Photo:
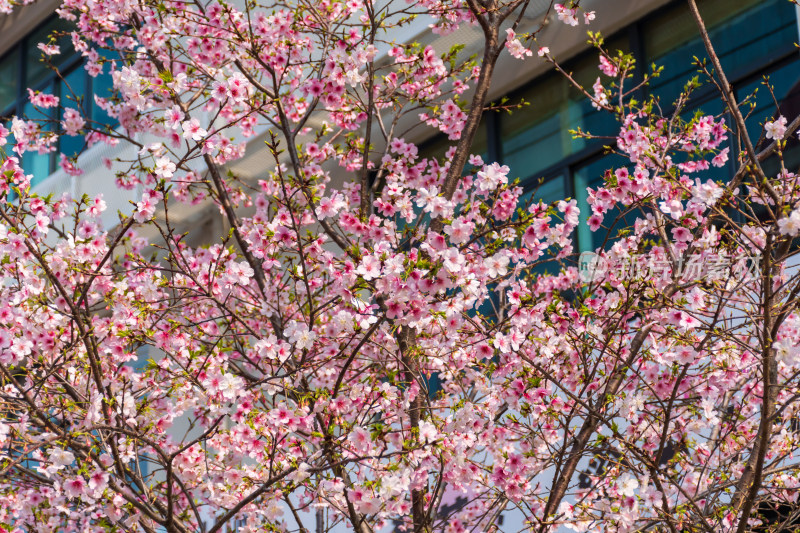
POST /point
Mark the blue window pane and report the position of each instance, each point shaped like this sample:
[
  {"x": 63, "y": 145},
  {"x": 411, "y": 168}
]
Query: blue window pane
[
  {"x": 786, "y": 87},
  {"x": 434, "y": 385},
  {"x": 580, "y": 113},
  {"x": 37, "y": 72},
  {"x": 42, "y": 116},
  {"x": 102, "y": 86},
  {"x": 480, "y": 144},
  {"x": 551, "y": 190},
  {"x": 70, "y": 146},
  {"x": 36, "y": 164},
  {"x": 589, "y": 120},
  {"x": 536, "y": 148},
  {"x": 9, "y": 80},
  {"x": 24, "y": 68},
  {"x": 766, "y": 31},
  {"x": 533, "y": 136},
  {"x": 72, "y": 88},
  {"x": 73, "y": 94},
  {"x": 790, "y": 107}
]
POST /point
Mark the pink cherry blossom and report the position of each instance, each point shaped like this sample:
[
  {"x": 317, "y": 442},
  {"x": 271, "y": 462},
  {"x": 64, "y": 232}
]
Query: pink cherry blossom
[
  {"x": 72, "y": 121},
  {"x": 775, "y": 129}
]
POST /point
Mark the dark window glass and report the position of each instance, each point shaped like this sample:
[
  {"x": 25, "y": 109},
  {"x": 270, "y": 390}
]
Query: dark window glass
[
  {"x": 743, "y": 33},
  {"x": 748, "y": 35},
  {"x": 538, "y": 136},
  {"x": 675, "y": 27},
  {"x": 785, "y": 83},
  {"x": 790, "y": 107},
  {"x": 36, "y": 72},
  {"x": 480, "y": 144},
  {"x": 37, "y": 68},
  {"x": 532, "y": 136},
  {"x": 54, "y": 31},
  {"x": 72, "y": 90},
  {"x": 9, "y": 80},
  {"x": 551, "y": 190},
  {"x": 752, "y": 37},
  {"x": 102, "y": 86}
]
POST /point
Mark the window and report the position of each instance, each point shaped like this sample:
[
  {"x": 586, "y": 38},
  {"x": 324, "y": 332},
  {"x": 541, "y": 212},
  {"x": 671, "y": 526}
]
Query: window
[
  {"x": 22, "y": 68},
  {"x": 536, "y": 137},
  {"x": 534, "y": 141},
  {"x": 745, "y": 33}
]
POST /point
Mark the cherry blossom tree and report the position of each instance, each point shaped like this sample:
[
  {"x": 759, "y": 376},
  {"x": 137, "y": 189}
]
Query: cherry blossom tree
[{"x": 290, "y": 362}]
